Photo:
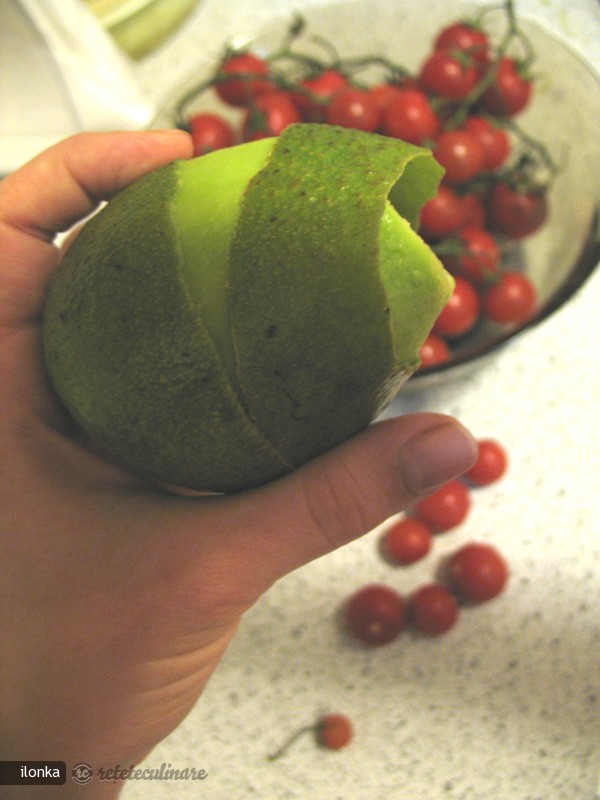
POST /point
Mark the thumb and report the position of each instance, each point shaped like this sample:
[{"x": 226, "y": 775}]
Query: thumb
[{"x": 351, "y": 489}]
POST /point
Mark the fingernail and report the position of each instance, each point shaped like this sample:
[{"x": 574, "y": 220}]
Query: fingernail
[{"x": 435, "y": 456}]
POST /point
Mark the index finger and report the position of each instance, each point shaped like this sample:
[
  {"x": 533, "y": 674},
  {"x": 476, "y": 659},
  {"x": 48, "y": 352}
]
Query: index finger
[{"x": 57, "y": 189}]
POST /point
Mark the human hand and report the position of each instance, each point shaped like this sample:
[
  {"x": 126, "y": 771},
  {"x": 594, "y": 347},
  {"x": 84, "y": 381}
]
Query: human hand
[{"x": 118, "y": 598}]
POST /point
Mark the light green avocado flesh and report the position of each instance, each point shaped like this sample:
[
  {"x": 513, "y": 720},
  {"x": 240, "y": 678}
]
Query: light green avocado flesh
[
  {"x": 205, "y": 212},
  {"x": 415, "y": 281}
]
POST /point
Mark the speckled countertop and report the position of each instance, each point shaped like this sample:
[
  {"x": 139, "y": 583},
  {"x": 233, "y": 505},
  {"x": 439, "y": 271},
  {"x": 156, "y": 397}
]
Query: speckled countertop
[{"x": 507, "y": 705}]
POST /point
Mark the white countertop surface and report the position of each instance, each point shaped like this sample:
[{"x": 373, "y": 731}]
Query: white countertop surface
[{"x": 507, "y": 705}]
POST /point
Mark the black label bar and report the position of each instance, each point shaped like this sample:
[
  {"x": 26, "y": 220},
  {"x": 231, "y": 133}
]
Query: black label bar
[{"x": 32, "y": 773}]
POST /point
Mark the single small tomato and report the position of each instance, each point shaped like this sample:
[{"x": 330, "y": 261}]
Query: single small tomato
[
  {"x": 445, "y": 75},
  {"x": 446, "y": 507},
  {"x": 491, "y": 463},
  {"x": 410, "y": 117},
  {"x": 375, "y": 614},
  {"x": 510, "y": 92},
  {"x": 210, "y": 132},
  {"x": 353, "y": 108},
  {"x": 510, "y": 300},
  {"x": 434, "y": 350},
  {"x": 477, "y": 572},
  {"x": 466, "y": 37},
  {"x": 270, "y": 114},
  {"x": 249, "y": 78},
  {"x": 315, "y": 93},
  {"x": 461, "y": 155},
  {"x": 516, "y": 213},
  {"x": 432, "y": 609},
  {"x": 493, "y": 139},
  {"x": 334, "y": 731},
  {"x": 442, "y": 215},
  {"x": 461, "y": 312},
  {"x": 480, "y": 258},
  {"x": 407, "y": 540}
]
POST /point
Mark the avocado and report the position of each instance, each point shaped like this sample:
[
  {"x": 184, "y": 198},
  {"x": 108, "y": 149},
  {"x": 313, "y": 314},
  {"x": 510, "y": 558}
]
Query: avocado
[{"x": 225, "y": 319}]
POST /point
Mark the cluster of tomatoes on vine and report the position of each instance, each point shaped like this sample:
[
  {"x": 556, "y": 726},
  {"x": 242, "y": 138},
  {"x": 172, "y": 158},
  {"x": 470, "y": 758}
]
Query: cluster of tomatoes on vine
[
  {"x": 475, "y": 573},
  {"x": 461, "y": 102}
]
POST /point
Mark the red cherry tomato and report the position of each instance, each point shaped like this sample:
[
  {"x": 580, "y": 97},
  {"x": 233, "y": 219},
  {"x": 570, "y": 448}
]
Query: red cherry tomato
[
  {"x": 477, "y": 572},
  {"x": 446, "y": 507},
  {"x": 491, "y": 463},
  {"x": 510, "y": 91},
  {"x": 461, "y": 155},
  {"x": 432, "y": 609},
  {"x": 465, "y": 37},
  {"x": 511, "y": 300},
  {"x": 434, "y": 350},
  {"x": 375, "y": 614},
  {"x": 514, "y": 213},
  {"x": 461, "y": 312},
  {"x": 383, "y": 94},
  {"x": 252, "y": 80},
  {"x": 442, "y": 215},
  {"x": 210, "y": 132},
  {"x": 408, "y": 540},
  {"x": 321, "y": 88},
  {"x": 480, "y": 259},
  {"x": 444, "y": 75},
  {"x": 494, "y": 140},
  {"x": 334, "y": 731},
  {"x": 270, "y": 114},
  {"x": 353, "y": 108},
  {"x": 473, "y": 211},
  {"x": 410, "y": 117}
]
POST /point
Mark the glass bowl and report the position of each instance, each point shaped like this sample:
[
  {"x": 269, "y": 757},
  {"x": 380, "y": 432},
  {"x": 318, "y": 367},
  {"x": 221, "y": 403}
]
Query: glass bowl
[{"x": 563, "y": 114}]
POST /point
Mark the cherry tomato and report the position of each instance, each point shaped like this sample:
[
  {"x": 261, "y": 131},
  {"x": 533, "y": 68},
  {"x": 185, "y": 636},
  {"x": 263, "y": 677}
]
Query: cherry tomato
[
  {"x": 446, "y": 507},
  {"x": 434, "y": 350},
  {"x": 432, "y": 609},
  {"x": 383, "y": 94},
  {"x": 410, "y": 117},
  {"x": 465, "y": 37},
  {"x": 511, "y": 300},
  {"x": 322, "y": 88},
  {"x": 375, "y": 614},
  {"x": 353, "y": 108},
  {"x": 445, "y": 75},
  {"x": 461, "y": 155},
  {"x": 473, "y": 211},
  {"x": 494, "y": 140},
  {"x": 514, "y": 213},
  {"x": 408, "y": 540},
  {"x": 477, "y": 572},
  {"x": 210, "y": 132},
  {"x": 491, "y": 463},
  {"x": 481, "y": 257},
  {"x": 461, "y": 311},
  {"x": 442, "y": 215},
  {"x": 251, "y": 82},
  {"x": 334, "y": 731},
  {"x": 270, "y": 114},
  {"x": 510, "y": 92}
]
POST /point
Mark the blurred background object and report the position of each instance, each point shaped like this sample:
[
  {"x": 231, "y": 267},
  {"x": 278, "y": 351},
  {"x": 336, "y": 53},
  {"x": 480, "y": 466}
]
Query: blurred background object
[{"x": 139, "y": 26}]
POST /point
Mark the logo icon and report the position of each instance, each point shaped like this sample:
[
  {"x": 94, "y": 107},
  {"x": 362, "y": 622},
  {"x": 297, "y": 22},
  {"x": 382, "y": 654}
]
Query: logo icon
[{"x": 82, "y": 773}]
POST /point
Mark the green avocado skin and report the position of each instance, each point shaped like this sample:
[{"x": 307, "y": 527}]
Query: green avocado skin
[
  {"x": 136, "y": 363},
  {"x": 143, "y": 378}
]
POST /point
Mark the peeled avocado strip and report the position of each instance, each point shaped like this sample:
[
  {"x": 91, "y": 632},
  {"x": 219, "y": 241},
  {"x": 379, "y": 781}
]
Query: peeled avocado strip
[
  {"x": 226, "y": 318},
  {"x": 305, "y": 257}
]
